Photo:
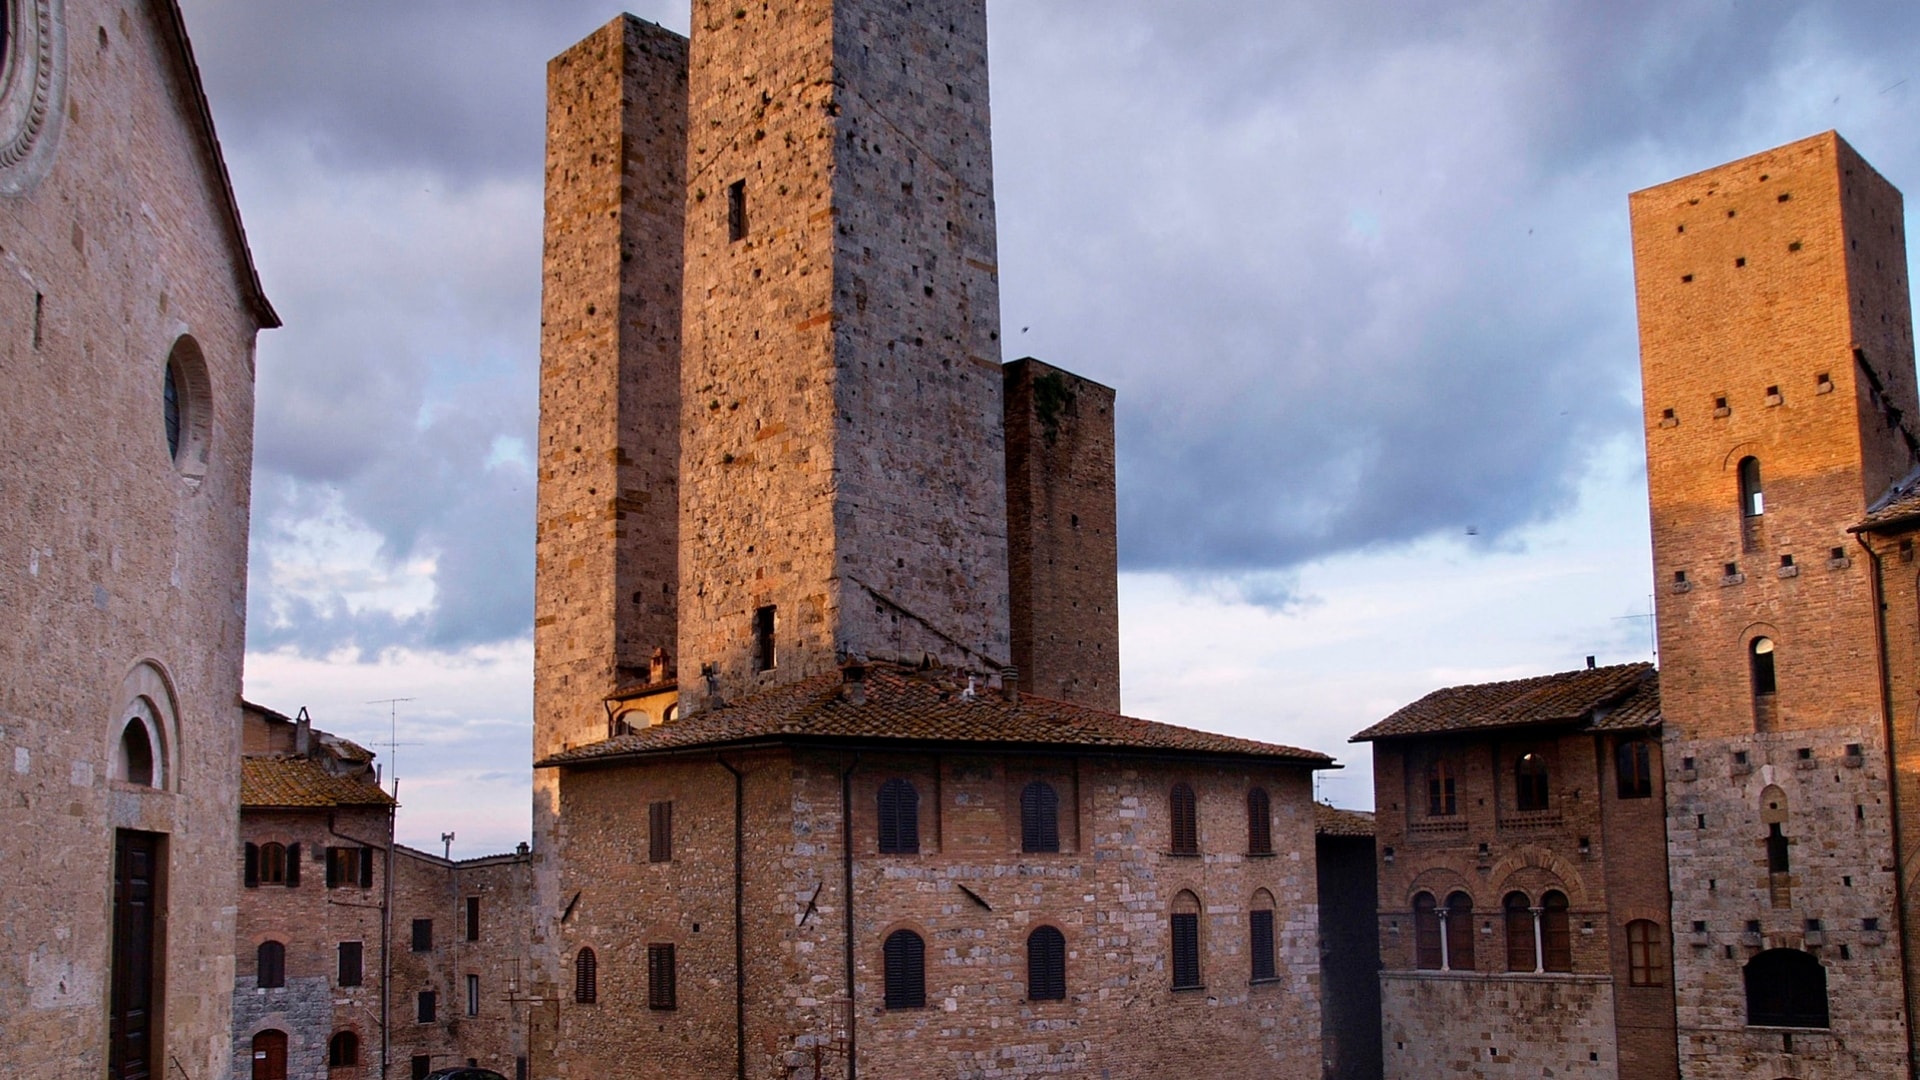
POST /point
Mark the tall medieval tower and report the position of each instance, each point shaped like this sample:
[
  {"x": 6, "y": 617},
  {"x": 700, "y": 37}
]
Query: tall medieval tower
[
  {"x": 842, "y": 476},
  {"x": 1778, "y": 373}
]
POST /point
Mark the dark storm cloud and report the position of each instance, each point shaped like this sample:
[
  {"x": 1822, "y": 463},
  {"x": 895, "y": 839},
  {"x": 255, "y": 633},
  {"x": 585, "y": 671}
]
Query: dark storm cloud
[{"x": 1359, "y": 272}]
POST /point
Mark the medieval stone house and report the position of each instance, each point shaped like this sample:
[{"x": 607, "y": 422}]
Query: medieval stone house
[
  {"x": 803, "y": 543},
  {"x": 128, "y": 311}
]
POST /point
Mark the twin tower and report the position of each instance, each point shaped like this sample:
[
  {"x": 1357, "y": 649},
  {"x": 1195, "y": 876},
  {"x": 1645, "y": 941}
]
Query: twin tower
[{"x": 775, "y": 431}]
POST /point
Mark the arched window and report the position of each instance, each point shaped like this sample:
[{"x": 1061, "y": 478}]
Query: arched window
[
  {"x": 1185, "y": 924},
  {"x": 1046, "y": 965},
  {"x": 586, "y": 977},
  {"x": 1426, "y": 932},
  {"x": 899, "y": 818},
  {"x": 1777, "y": 857},
  {"x": 1520, "y": 943},
  {"x": 1458, "y": 921},
  {"x": 136, "y": 754},
  {"x": 1184, "y": 821},
  {"x": 270, "y": 965},
  {"x": 1753, "y": 499},
  {"x": 1633, "y": 768},
  {"x": 1259, "y": 822},
  {"x": 1646, "y": 954},
  {"x": 905, "y": 956},
  {"x": 1786, "y": 988},
  {"x": 1039, "y": 817},
  {"x": 343, "y": 1050},
  {"x": 1440, "y": 800},
  {"x": 1530, "y": 782},
  {"x": 1556, "y": 933},
  {"x": 1760, "y": 663},
  {"x": 1260, "y": 937}
]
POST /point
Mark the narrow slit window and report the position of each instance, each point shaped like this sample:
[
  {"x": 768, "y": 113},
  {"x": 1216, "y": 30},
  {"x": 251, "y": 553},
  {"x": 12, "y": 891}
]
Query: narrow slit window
[
  {"x": 662, "y": 977},
  {"x": 1777, "y": 850},
  {"x": 1753, "y": 499},
  {"x": 737, "y": 210},
  {"x": 1184, "y": 821},
  {"x": 1760, "y": 658},
  {"x": 763, "y": 627},
  {"x": 473, "y": 918},
  {"x": 660, "y": 832},
  {"x": 1259, "y": 822}
]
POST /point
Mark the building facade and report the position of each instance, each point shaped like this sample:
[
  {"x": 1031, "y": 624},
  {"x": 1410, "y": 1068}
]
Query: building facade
[
  {"x": 1522, "y": 883},
  {"x": 128, "y": 313},
  {"x": 1777, "y": 366}
]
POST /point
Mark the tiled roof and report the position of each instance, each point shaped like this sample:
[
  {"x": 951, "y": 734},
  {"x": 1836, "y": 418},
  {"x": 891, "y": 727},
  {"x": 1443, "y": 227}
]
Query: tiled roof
[
  {"x": 912, "y": 707},
  {"x": 1618, "y": 697},
  {"x": 1333, "y": 821},
  {"x": 277, "y": 782}
]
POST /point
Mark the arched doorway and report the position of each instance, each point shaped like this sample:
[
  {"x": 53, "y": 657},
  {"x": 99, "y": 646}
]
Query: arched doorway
[{"x": 270, "y": 1056}]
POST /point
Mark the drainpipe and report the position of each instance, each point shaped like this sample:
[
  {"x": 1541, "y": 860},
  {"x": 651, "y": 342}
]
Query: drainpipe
[
  {"x": 1893, "y": 777},
  {"x": 846, "y": 859},
  {"x": 739, "y": 917},
  {"x": 386, "y": 946}
]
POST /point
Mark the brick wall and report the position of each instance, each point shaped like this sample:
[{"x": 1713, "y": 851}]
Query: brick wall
[
  {"x": 1763, "y": 275},
  {"x": 129, "y": 574},
  {"x": 1063, "y": 558},
  {"x": 1108, "y": 891}
]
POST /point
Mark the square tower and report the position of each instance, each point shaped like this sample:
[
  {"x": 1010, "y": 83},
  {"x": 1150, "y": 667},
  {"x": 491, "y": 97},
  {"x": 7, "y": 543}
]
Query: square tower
[
  {"x": 1777, "y": 367},
  {"x": 842, "y": 481}
]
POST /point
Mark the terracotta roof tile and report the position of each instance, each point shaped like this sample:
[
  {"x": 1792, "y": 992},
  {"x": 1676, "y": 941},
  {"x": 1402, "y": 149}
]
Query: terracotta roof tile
[
  {"x": 1616, "y": 697},
  {"x": 1333, "y": 821},
  {"x": 915, "y": 707},
  {"x": 276, "y": 782}
]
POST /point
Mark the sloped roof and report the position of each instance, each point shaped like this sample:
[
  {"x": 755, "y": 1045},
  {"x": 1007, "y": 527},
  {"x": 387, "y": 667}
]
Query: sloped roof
[
  {"x": 174, "y": 28},
  {"x": 293, "y": 782},
  {"x": 911, "y": 707},
  {"x": 1333, "y": 821},
  {"x": 1619, "y": 697}
]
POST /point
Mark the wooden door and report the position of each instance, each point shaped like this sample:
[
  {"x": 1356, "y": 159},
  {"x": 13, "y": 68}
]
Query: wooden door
[
  {"x": 130, "y": 1024},
  {"x": 270, "y": 1056}
]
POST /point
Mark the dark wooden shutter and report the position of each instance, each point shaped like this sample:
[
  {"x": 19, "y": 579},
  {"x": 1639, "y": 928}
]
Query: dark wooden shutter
[
  {"x": 423, "y": 935},
  {"x": 1260, "y": 934},
  {"x": 660, "y": 832},
  {"x": 350, "y": 958},
  {"x": 1460, "y": 932},
  {"x": 1259, "y": 822},
  {"x": 1046, "y": 965},
  {"x": 1185, "y": 824},
  {"x": 1519, "y": 912},
  {"x": 1426, "y": 933},
  {"x": 899, "y": 818},
  {"x": 1556, "y": 933},
  {"x": 270, "y": 965},
  {"x": 1039, "y": 817},
  {"x": 334, "y": 855},
  {"x": 429, "y": 1006},
  {"x": 252, "y": 877},
  {"x": 660, "y": 978},
  {"x": 366, "y": 868},
  {"x": 906, "y": 963},
  {"x": 586, "y": 977},
  {"x": 293, "y": 866},
  {"x": 1186, "y": 950}
]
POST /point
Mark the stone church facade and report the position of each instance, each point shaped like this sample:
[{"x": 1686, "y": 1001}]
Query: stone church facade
[{"x": 128, "y": 313}]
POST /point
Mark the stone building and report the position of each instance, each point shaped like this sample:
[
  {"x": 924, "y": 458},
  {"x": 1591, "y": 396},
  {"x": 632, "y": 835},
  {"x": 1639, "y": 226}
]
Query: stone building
[
  {"x": 327, "y": 983},
  {"x": 1523, "y": 903},
  {"x": 803, "y": 540},
  {"x": 1778, "y": 372},
  {"x": 129, "y": 307}
]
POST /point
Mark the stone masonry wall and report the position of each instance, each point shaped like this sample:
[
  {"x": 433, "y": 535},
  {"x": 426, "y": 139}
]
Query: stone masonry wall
[
  {"x": 1754, "y": 294},
  {"x": 125, "y": 577},
  {"x": 842, "y": 457},
  {"x": 972, "y": 896},
  {"x": 1063, "y": 555},
  {"x": 1900, "y": 591},
  {"x": 1498, "y": 1027},
  {"x": 490, "y": 1028}
]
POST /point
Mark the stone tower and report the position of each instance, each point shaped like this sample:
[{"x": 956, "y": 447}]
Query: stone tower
[
  {"x": 1777, "y": 362},
  {"x": 842, "y": 486}
]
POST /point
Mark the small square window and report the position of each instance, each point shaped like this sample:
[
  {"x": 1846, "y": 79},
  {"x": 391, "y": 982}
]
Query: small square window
[{"x": 423, "y": 935}]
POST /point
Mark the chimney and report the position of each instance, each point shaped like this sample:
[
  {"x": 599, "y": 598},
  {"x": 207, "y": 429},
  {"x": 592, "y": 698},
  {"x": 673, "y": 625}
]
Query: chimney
[
  {"x": 303, "y": 733},
  {"x": 1010, "y": 684},
  {"x": 657, "y": 671},
  {"x": 1589, "y": 663},
  {"x": 853, "y": 673}
]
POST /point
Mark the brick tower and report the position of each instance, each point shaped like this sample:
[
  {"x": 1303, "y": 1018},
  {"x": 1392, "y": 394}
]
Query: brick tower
[
  {"x": 1777, "y": 363},
  {"x": 842, "y": 465}
]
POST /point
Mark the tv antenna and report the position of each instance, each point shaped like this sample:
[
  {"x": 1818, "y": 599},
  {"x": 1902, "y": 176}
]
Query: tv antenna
[
  {"x": 1653, "y": 628},
  {"x": 393, "y": 735}
]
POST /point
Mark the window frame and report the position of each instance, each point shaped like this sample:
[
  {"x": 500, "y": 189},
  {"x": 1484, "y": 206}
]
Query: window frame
[
  {"x": 1427, "y": 933},
  {"x": 422, "y": 940},
  {"x": 1184, "y": 952},
  {"x": 347, "y": 974},
  {"x": 663, "y": 976},
  {"x": 343, "y": 1049},
  {"x": 1532, "y": 786},
  {"x": 426, "y": 1007},
  {"x": 1522, "y": 955},
  {"x": 586, "y": 976},
  {"x": 1183, "y": 820},
  {"x": 897, "y": 823},
  {"x": 1458, "y": 927},
  {"x": 1046, "y": 964},
  {"x": 1259, "y": 821},
  {"x": 1633, "y": 768},
  {"x": 1646, "y": 953},
  {"x": 903, "y": 957},
  {"x": 1763, "y": 665},
  {"x": 1556, "y": 933},
  {"x": 1442, "y": 789},
  {"x": 1039, "y": 819},
  {"x": 270, "y": 965}
]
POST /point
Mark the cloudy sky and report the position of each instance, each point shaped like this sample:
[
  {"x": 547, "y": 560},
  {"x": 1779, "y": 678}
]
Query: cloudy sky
[{"x": 1360, "y": 273}]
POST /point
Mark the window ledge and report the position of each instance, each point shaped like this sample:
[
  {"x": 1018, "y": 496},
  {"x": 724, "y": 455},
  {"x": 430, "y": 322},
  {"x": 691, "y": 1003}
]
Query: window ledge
[
  {"x": 1263, "y": 854},
  {"x": 1200, "y": 989},
  {"x": 1181, "y": 854},
  {"x": 1266, "y": 982}
]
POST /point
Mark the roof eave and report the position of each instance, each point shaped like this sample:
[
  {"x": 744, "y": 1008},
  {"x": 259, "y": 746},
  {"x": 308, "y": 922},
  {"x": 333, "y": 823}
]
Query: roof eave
[{"x": 1314, "y": 761}]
